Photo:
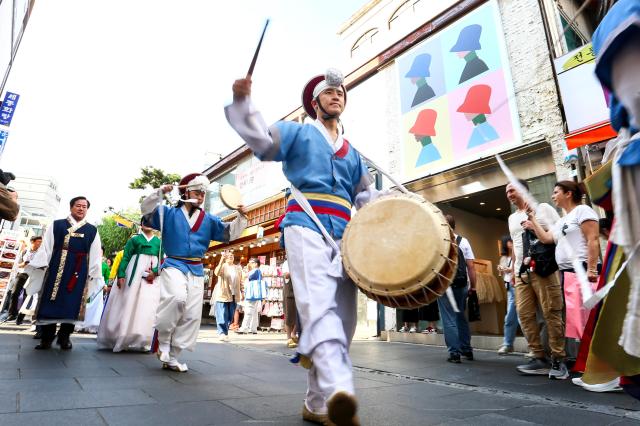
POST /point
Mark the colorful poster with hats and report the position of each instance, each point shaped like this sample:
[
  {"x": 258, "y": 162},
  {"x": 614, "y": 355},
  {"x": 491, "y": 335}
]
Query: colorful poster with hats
[{"x": 456, "y": 96}]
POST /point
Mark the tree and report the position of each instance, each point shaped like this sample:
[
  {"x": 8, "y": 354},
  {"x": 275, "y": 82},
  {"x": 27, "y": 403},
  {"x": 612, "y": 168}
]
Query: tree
[
  {"x": 154, "y": 177},
  {"x": 114, "y": 237}
]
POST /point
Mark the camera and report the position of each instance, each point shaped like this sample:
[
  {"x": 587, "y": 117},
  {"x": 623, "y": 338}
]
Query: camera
[{"x": 6, "y": 177}]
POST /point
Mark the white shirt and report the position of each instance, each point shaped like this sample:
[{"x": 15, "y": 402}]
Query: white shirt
[
  {"x": 567, "y": 231},
  {"x": 546, "y": 215},
  {"x": 505, "y": 262},
  {"x": 466, "y": 248}
]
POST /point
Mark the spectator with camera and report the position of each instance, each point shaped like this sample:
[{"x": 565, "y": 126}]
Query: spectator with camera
[
  {"x": 537, "y": 285},
  {"x": 576, "y": 234}
]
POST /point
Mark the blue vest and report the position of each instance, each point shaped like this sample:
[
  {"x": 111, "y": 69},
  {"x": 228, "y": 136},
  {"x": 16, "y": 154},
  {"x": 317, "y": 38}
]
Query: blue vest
[
  {"x": 180, "y": 241},
  {"x": 309, "y": 163},
  {"x": 66, "y": 277}
]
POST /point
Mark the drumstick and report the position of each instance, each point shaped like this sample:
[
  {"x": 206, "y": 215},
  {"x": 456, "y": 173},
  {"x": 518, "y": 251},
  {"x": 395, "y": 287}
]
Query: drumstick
[{"x": 255, "y": 54}]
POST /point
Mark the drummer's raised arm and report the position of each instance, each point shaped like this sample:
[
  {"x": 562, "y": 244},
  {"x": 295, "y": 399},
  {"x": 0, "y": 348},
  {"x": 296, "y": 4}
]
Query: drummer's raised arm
[{"x": 247, "y": 121}]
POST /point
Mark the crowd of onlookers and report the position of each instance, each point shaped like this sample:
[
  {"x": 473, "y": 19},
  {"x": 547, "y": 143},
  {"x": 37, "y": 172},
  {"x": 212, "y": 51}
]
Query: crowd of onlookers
[{"x": 537, "y": 266}]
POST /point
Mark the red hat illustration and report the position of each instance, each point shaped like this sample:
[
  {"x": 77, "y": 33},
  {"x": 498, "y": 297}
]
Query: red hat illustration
[
  {"x": 425, "y": 123},
  {"x": 477, "y": 100}
]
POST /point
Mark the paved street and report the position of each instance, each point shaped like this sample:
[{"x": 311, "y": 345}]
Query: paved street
[{"x": 250, "y": 381}]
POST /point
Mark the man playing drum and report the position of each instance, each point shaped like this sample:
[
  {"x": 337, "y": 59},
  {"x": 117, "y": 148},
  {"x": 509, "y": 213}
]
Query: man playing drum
[{"x": 332, "y": 176}]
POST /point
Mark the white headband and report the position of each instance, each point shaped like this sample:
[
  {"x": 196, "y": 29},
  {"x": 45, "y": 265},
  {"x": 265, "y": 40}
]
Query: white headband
[
  {"x": 333, "y": 79},
  {"x": 199, "y": 183}
]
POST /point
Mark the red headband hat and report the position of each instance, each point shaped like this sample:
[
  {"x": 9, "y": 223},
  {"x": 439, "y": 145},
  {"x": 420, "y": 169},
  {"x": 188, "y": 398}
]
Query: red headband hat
[
  {"x": 193, "y": 181},
  {"x": 331, "y": 79}
]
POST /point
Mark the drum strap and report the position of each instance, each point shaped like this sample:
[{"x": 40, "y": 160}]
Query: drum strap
[{"x": 336, "y": 270}]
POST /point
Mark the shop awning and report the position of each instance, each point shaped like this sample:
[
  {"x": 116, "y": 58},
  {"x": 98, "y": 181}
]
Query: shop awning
[{"x": 588, "y": 135}]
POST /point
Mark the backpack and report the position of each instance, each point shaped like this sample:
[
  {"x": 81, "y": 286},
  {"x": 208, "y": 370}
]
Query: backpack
[
  {"x": 544, "y": 255},
  {"x": 460, "y": 280}
]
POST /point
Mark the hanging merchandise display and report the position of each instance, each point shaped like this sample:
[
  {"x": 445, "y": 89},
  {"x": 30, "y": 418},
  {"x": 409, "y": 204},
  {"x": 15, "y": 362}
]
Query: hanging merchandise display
[{"x": 272, "y": 304}]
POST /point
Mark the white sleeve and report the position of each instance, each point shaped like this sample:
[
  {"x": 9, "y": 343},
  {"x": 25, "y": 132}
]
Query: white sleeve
[
  {"x": 466, "y": 249},
  {"x": 585, "y": 213},
  {"x": 249, "y": 124},
  {"x": 95, "y": 280},
  {"x": 549, "y": 214},
  {"x": 237, "y": 226},
  {"x": 43, "y": 256},
  {"x": 151, "y": 202}
]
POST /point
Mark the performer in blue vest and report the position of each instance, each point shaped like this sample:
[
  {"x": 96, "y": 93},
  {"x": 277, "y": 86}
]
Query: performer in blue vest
[
  {"x": 187, "y": 231},
  {"x": 330, "y": 173},
  {"x": 71, "y": 252}
]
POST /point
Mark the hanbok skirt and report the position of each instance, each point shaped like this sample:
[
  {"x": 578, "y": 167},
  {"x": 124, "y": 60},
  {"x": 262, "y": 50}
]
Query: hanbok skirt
[{"x": 129, "y": 316}]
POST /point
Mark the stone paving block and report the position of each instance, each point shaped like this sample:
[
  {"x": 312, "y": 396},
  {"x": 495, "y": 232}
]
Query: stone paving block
[
  {"x": 45, "y": 401},
  {"x": 185, "y": 393},
  {"x": 286, "y": 373},
  {"x": 362, "y": 383},
  {"x": 43, "y": 373},
  {"x": 388, "y": 413},
  {"x": 191, "y": 413},
  {"x": 268, "y": 406},
  {"x": 12, "y": 373},
  {"x": 491, "y": 419},
  {"x": 275, "y": 388},
  {"x": 143, "y": 371},
  {"x": 8, "y": 400},
  {"x": 473, "y": 401},
  {"x": 53, "y": 418},
  {"x": 198, "y": 379},
  {"x": 417, "y": 397},
  {"x": 24, "y": 385},
  {"x": 125, "y": 382},
  {"x": 546, "y": 415}
]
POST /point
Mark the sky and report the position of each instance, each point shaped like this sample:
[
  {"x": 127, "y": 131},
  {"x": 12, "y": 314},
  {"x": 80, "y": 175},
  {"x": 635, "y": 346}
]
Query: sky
[{"x": 110, "y": 86}]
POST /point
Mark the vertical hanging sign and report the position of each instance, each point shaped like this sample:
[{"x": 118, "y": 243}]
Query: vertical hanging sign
[{"x": 7, "y": 108}]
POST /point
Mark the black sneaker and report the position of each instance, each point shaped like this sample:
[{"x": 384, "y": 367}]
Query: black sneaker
[
  {"x": 455, "y": 358},
  {"x": 558, "y": 370},
  {"x": 468, "y": 355},
  {"x": 537, "y": 366}
]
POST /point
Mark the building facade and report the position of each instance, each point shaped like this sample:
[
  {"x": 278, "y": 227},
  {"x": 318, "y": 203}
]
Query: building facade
[
  {"x": 39, "y": 202},
  {"x": 437, "y": 89}
]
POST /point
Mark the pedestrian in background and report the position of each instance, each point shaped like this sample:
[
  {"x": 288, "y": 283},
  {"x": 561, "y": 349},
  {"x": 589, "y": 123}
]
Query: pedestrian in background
[
  {"x": 290, "y": 310},
  {"x": 254, "y": 291},
  {"x": 21, "y": 279},
  {"x": 576, "y": 234},
  {"x": 226, "y": 294},
  {"x": 505, "y": 269},
  {"x": 456, "y": 327},
  {"x": 534, "y": 290}
]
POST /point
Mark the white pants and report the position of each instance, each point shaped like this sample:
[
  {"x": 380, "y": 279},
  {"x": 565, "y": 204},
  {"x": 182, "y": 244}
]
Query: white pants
[
  {"x": 251, "y": 316},
  {"x": 327, "y": 310},
  {"x": 180, "y": 310}
]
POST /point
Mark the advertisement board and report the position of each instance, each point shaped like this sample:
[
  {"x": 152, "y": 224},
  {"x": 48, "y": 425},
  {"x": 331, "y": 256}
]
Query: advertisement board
[{"x": 456, "y": 96}]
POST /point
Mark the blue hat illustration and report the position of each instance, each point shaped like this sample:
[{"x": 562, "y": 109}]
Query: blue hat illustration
[
  {"x": 468, "y": 39},
  {"x": 420, "y": 66}
]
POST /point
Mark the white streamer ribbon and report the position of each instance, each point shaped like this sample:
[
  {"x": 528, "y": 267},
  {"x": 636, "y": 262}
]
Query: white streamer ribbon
[{"x": 601, "y": 294}]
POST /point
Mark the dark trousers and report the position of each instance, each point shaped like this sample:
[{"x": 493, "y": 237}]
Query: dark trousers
[
  {"x": 49, "y": 332},
  {"x": 21, "y": 279}
]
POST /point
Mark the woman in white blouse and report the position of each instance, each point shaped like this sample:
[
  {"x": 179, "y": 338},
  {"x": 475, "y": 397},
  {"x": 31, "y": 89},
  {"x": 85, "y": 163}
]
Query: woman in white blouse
[{"x": 576, "y": 233}]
